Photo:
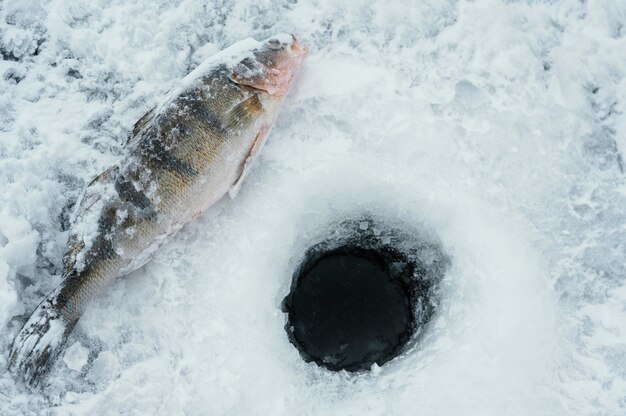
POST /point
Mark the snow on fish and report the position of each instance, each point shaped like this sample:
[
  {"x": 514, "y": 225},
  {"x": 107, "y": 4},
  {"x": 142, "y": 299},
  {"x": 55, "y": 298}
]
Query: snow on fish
[{"x": 182, "y": 157}]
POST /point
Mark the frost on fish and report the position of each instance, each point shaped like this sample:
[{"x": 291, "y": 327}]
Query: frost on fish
[{"x": 181, "y": 157}]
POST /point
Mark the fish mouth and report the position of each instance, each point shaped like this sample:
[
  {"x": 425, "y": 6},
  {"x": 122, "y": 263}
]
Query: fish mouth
[{"x": 299, "y": 51}]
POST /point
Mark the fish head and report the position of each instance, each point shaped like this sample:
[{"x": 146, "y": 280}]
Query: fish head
[{"x": 271, "y": 66}]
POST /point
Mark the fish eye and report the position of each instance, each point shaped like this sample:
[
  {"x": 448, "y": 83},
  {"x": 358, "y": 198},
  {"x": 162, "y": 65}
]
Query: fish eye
[{"x": 274, "y": 44}]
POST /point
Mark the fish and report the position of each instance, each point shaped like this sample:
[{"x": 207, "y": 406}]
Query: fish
[{"x": 185, "y": 154}]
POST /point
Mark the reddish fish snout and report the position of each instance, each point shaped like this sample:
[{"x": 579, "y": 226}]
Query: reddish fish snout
[
  {"x": 284, "y": 75},
  {"x": 274, "y": 66}
]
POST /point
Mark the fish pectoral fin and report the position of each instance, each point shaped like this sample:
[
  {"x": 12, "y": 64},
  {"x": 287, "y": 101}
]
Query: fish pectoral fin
[
  {"x": 257, "y": 145},
  {"x": 243, "y": 114}
]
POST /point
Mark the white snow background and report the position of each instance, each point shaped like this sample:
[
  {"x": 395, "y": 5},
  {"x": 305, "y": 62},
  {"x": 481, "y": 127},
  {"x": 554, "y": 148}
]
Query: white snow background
[{"x": 497, "y": 125}]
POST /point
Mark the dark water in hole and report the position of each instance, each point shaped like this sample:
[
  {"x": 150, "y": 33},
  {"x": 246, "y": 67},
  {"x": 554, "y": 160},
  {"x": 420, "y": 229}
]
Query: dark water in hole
[
  {"x": 364, "y": 294},
  {"x": 350, "y": 310}
]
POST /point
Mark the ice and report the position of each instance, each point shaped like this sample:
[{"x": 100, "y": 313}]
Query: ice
[
  {"x": 8, "y": 297},
  {"x": 498, "y": 127}
]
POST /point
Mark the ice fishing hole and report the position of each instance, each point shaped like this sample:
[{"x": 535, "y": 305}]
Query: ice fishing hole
[{"x": 362, "y": 296}]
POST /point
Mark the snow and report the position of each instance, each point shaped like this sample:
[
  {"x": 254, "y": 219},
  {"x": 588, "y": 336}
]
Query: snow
[
  {"x": 496, "y": 127},
  {"x": 75, "y": 356}
]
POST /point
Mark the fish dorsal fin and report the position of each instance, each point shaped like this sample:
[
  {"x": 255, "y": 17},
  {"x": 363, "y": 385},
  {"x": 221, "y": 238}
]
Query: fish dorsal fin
[
  {"x": 140, "y": 126},
  {"x": 105, "y": 176},
  {"x": 243, "y": 114}
]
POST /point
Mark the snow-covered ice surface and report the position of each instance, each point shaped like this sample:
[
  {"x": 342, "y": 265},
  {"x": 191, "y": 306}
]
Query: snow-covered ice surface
[{"x": 497, "y": 125}]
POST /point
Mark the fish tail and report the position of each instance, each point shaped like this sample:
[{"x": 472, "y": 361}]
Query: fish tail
[{"x": 40, "y": 341}]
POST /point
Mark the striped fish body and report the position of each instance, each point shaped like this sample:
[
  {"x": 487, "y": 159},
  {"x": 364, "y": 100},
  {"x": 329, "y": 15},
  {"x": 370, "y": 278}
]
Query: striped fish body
[{"x": 182, "y": 157}]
